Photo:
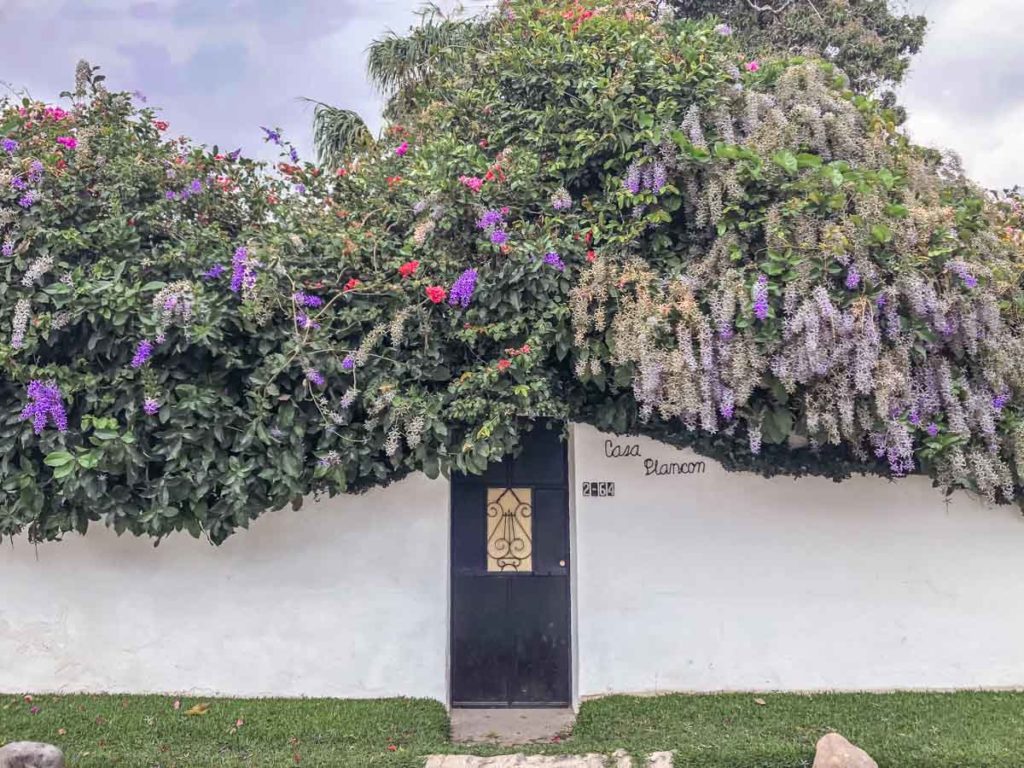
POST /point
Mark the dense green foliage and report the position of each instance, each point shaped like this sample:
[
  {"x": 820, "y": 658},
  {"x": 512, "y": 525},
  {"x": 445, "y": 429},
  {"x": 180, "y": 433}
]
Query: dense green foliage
[
  {"x": 577, "y": 212},
  {"x": 870, "y": 42},
  {"x": 938, "y": 730}
]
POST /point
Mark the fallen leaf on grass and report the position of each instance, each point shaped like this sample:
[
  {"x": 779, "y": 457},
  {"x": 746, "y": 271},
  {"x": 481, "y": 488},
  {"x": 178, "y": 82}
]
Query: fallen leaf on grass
[
  {"x": 198, "y": 709},
  {"x": 760, "y": 702},
  {"x": 62, "y": 731},
  {"x": 176, "y": 705}
]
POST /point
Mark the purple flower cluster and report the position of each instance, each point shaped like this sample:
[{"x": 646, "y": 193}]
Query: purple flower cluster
[
  {"x": 634, "y": 178},
  {"x": 962, "y": 271},
  {"x": 35, "y": 172},
  {"x": 195, "y": 187},
  {"x": 143, "y": 351},
  {"x": 761, "y": 297},
  {"x": 462, "y": 290},
  {"x": 151, "y": 406},
  {"x": 18, "y": 184},
  {"x": 727, "y": 404},
  {"x": 214, "y": 272},
  {"x": 10, "y": 146},
  {"x": 243, "y": 274},
  {"x": 294, "y": 155},
  {"x": 27, "y": 200},
  {"x": 314, "y": 377},
  {"x": 8, "y": 247},
  {"x": 652, "y": 177},
  {"x": 490, "y": 219},
  {"x": 852, "y": 278},
  {"x": 657, "y": 178},
  {"x": 1001, "y": 400},
  {"x": 271, "y": 135},
  {"x": 499, "y": 237},
  {"x": 561, "y": 200},
  {"x": 45, "y": 405},
  {"x": 349, "y": 362},
  {"x": 305, "y": 322},
  {"x": 724, "y": 30},
  {"x": 555, "y": 261},
  {"x": 304, "y": 299}
]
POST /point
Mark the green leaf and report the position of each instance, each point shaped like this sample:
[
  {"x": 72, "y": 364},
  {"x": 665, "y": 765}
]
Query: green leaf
[
  {"x": 64, "y": 470},
  {"x": 787, "y": 160},
  {"x": 58, "y": 459},
  {"x": 881, "y": 234}
]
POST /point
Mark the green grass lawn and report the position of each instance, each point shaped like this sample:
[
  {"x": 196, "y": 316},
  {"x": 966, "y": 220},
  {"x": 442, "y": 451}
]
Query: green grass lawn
[{"x": 961, "y": 730}]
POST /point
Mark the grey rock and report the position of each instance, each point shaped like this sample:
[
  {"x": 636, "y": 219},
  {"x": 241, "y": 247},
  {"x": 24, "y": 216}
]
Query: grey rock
[{"x": 30, "y": 754}]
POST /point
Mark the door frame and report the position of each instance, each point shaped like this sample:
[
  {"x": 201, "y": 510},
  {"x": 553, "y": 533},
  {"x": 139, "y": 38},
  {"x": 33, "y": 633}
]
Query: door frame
[{"x": 574, "y": 699}]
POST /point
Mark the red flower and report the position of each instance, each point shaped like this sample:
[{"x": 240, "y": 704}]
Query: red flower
[
  {"x": 591, "y": 255},
  {"x": 436, "y": 293},
  {"x": 504, "y": 364},
  {"x": 408, "y": 268},
  {"x": 525, "y": 349},
  {"x": 352, "y": 284},
  {"x": 483, "y": 143},
  {"x": 392, "y": 748},
  {"x": 161, "y": 125},
  {"x": 393, "y": 180},
  {"x": 342, "y": 172}
]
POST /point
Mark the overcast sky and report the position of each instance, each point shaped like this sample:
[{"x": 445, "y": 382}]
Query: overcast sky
[{"x": 221, "y": 68}]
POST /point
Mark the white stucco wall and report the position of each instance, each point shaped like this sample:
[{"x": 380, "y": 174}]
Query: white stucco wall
[
  {"x": 698, "y": 582},
  {"x": 721, "y": 581},
  {"x": 347, "y": 598}
]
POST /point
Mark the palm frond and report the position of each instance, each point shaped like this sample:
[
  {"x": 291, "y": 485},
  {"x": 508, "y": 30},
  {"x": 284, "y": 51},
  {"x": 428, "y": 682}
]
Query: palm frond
[
  {"x": 337, "y": 133},
  {"x": 395, "y": 61}
]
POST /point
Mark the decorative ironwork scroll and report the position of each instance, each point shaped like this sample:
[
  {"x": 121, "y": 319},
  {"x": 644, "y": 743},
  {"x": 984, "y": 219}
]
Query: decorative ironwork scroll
[{"x": 509, "y": 530}]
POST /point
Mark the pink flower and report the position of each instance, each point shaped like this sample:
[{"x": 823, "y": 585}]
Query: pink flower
[
  {"x": 67, "y": 141},
  {"x": 753, "y": 66},
  {"x": 402, "y": 148}
]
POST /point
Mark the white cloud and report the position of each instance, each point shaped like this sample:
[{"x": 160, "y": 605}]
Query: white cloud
[{"x": 965, "y": 92}]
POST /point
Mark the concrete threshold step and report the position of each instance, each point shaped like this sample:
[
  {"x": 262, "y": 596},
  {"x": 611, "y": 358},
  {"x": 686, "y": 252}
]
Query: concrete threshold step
[{"x": 619, "y": 760}]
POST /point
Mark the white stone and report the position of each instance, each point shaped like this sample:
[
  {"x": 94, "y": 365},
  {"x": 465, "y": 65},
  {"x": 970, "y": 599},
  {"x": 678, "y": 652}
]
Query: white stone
[
  {"x": 30, "y": 754},
  {"x": 660, "y": 760}
]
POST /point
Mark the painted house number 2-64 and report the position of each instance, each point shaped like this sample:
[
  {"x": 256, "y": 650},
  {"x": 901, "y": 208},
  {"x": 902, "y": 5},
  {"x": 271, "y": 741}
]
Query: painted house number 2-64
[{"x": 598, "y": 489}]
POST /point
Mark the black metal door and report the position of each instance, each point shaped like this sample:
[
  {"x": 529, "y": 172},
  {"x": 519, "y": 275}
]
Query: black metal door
[{"x": 510, "y": 580}]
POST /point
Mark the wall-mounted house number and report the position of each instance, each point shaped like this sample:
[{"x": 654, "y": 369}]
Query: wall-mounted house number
[{"x": 599, "y": 489}]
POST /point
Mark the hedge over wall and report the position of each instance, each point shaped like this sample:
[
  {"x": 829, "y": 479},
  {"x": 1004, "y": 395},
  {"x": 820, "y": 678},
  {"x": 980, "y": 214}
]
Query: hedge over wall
[{"x": 582, "y": 214}]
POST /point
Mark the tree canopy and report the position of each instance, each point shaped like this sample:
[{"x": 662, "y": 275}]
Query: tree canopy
[
  {"x": 867, "y": 40},
  {"x": 578, "y": 211}
]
